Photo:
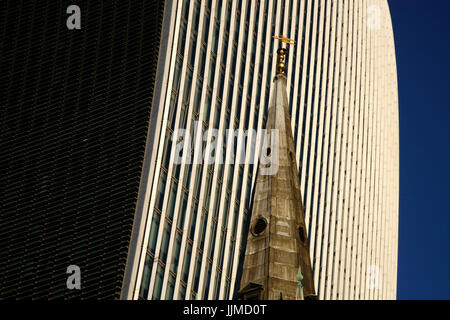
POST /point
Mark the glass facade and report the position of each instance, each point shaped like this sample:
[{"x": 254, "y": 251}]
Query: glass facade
[{"x": 218, "y": 77}]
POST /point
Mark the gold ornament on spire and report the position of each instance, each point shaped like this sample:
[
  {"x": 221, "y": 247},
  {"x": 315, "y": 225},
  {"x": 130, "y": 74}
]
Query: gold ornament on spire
[
  {"x": 285, "y": 39},
  {"x": 281, "y": 65}
]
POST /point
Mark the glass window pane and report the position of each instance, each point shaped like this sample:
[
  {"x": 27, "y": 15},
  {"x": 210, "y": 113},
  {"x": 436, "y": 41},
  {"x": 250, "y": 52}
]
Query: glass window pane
[
  {"x": 227, "y": 289},
  {"x": 205, "y": 27},
  {"x": 207, "y": 109},
  {"x": 187, "y": 262},
  {"x": 198, "y": 95},
  {"x": 143, "y": 293},
  {"x": 196, "y": 15},
  {"x": 177, "y": 74},
  {"x": 187, "y": 176},
  {"x": 212, "y": 68},
  {"x": 172, "y": 198},
  {"x": 203, "y": 230},
  {"x": 158, "y": 283},
  {"x": 187, "y": 86},
  {"x": 193, "y": 221},
  {"x": 154, "y": 232},
  {"x": 208, "y": 190},
  {"x": 208, "y": 280},
  {"x": 236, "y": 26},
  {"x": 185, "y": 9},
  {"x": 228, "y": 18},
  {"x": 226, "y": 210},
  {"x": 165, "y": 242},
  {"x": 221, "y": 83},
  {"x": 215, "y": 39},
  {"x": 202, "y": 60},
  {"x": 197, "y": 272},
  {"x": 221, "y": 249},
  {"x": 247, "y": 195},
  {"x": 161, "y": 189},
  {"x": 217, "y": 286},
  {"x": 182, "y": 293},
  {"x": 183, "y": 117},
  {"x": 176, "y": 253},
  {"x": 192, "y": 46},
  {"x": 224, "y": 49},
  {"x": 170, "y": 288},
  {"x": 230, "y": 260},
  {"x": 217, "y": 114},
  {"x": 230, "y": 95},
  {"x": 171, "y": 116},
  {"x": 167, "y": 150},
  {"x": 212, "y": 240},
  {"x": 182, "y": 213},
  {"x": 182, "y": 37},
  {"x": 234, "y": 58},
  {"x": 219, "y": 10}
]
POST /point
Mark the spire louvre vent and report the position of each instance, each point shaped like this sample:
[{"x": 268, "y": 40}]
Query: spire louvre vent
[{"x": 259, "y": 226}]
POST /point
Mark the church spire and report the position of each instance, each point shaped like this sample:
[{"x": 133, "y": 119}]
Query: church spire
[{"x": 277, "y": 245}]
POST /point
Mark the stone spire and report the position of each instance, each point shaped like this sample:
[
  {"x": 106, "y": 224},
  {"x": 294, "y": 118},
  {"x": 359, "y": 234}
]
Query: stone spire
[{"x": 277, "y": 244}]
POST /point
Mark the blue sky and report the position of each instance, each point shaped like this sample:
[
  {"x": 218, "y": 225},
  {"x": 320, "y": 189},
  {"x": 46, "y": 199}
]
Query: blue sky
[{"x": 422, "y": 38}]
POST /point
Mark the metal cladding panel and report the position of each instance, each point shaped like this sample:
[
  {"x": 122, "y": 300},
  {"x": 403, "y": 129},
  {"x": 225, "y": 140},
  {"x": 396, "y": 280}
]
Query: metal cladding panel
[{"x": 74, "y": 113}]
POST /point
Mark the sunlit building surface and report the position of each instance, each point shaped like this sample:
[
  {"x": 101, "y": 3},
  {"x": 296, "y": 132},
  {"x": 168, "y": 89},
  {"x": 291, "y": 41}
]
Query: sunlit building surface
[{"x": 216, "y": 64}]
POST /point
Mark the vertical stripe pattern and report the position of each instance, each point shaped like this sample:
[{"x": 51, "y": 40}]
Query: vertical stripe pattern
[{"x": 342, "y": 90}]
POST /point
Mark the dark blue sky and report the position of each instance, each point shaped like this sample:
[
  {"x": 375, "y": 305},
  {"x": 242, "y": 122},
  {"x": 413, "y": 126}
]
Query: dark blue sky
[{"x": 422, "y": 38}]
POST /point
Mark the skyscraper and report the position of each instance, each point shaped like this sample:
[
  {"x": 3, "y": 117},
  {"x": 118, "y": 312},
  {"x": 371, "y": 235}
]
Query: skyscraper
[
  {"x": 217, "y": 68},
  {"x": 74, "y": 113},
  {"x": 92, "y": 120}
]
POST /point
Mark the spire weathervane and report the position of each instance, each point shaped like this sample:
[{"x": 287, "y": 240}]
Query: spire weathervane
[
  {"x": 277, "y": 263},
  {"x": 281, "y": 66},
  {"x": 285, "y": 39}
]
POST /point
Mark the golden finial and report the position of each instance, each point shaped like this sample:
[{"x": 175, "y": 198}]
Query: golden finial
[
  {"x": 284, "y": 39},
  {"x": 281, "y": 66}
]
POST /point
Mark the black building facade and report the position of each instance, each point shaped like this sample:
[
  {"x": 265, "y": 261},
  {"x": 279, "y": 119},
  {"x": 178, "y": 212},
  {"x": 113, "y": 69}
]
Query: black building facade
[{"x": 75, "y": 107}]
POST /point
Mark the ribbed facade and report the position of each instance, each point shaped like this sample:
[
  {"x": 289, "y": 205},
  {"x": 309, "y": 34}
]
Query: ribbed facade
[
  {"x": 74, "y": 119},
  {"x": 342, "y": 92}
]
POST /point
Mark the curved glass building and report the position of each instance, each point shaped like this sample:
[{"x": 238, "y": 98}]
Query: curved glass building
[{"x": 215, "y": 67}]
